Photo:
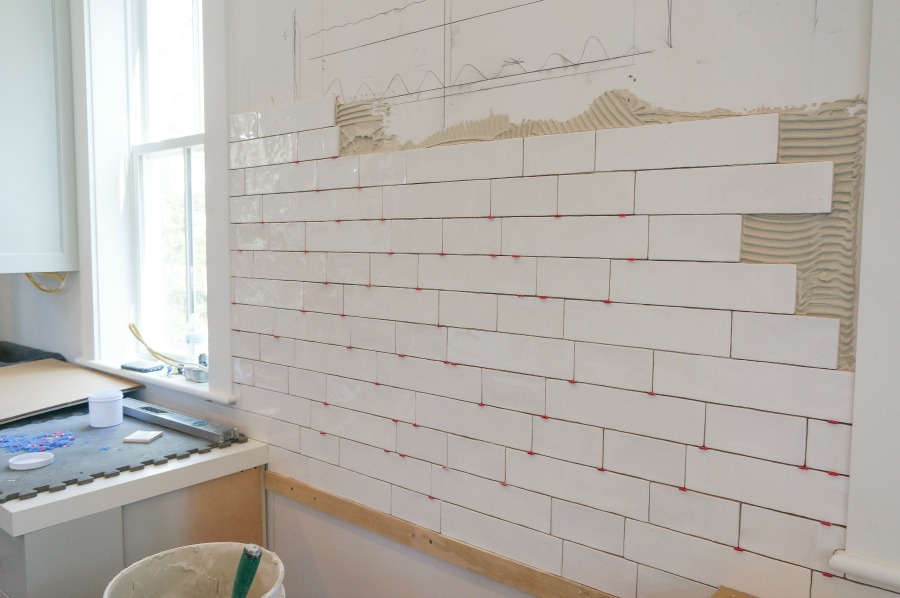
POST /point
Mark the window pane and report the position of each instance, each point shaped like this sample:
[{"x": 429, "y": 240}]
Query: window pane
[
  {"x": 198, "y": 217},
  {"x": 172, "y": 92},
  {"x": 163, "y": 312}
]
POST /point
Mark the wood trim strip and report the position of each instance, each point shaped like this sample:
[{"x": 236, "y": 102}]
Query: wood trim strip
[{"x": 488, "y": 564}]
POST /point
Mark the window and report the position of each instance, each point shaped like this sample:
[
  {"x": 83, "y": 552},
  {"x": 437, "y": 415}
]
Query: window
[{"x": 168, "y": 164}]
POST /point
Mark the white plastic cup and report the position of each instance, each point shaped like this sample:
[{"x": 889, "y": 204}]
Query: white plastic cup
[{"x": 105, "y": 408}]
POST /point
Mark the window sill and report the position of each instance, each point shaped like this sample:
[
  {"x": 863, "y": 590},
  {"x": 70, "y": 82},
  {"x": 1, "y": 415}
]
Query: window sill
[{"x": 176, "y": 383}]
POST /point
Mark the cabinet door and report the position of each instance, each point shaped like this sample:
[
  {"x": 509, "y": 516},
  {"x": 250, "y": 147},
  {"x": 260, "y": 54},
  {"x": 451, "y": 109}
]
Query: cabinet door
[{"x": 37, "y": 175}]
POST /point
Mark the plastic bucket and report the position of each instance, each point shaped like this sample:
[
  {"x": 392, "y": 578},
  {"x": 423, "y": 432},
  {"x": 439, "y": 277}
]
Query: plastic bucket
[
  {"x": 105, "y": 408},
  {"x": 196, "y": 571}
]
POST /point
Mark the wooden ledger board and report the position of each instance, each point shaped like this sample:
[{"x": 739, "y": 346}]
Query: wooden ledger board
[{"x": 38, "y": 386}]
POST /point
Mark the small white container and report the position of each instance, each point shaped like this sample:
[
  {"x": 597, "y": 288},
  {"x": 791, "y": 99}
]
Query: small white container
[{"x": 105, "y": 408}]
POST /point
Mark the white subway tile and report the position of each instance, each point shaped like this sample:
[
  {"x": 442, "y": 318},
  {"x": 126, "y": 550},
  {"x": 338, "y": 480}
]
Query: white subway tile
[
  {"x": 241, "y": 371},
  {"x": 311, "y": 326},
  {"x": 608, "y": 193},
  {"x": 245, "y": 209},
  {"x": 513, "y": 391},
  {"x": 800, "y": 541},
  {"x": 288, "y": 463},
  {"x": 828, "y": 446},
  {"x": 786, "y": 488},
  {"x": 526, "y": 196},
  {"x": 511, "y": 352},
  {"x": 422, "y": 340},
  {"x": 797, "y": 340},
  {"x": 719, "y": 141},
  {"x": 433, "y": 377},
  {"x": 653, "y": 583},
  {"x": 250, "y": 291},
  {"x": 556, "y": 154},
  {"x": 474, "y": 456},
  {"x": 472, "y": 236},
  {"x": 747, "y": 287},
  {"x": 696, "y": 238},
  {"x": 245, "y": 344},
  {"x": 361, "y": 427},
  {"x": 416, "y": 236},
  {"x": 386, "y": 303},
  {"x": 269, "y": 430},
  {"x": 628, "y": 411},
  {"x": 802, "y": 188},
  {"x": 604, "y": 490},
  {"x": 241, "y": 263},
  {"x": 276, "y": 405},
  {"x": 309, "y": 114},
  {"x": 384, "y": 401},
  {"x": 713, "y": 564},
  {"x": 610, "y": 365},
  {"x": 332, "y": 359},
  {"x": 500, "y": 426},
  {"x": 481, "y": 160},
  {"x": 270, "y": 376},
  {"x": 262, "y": 152},
  {"x": 297, "y": 207},
  {"x": 530, "y": 315},
  {"x": 492, "y": 498},
  {"x": 251, "y": 318},
  {"x": 377, "y": 335},
  {"x": 643, "y": 457},
  {"x": 359, "y": 204},
  {"x": 416, "y": 508},
  {"x": 250, "y": 236},
  {"x": 356, "y": 487},
  {"x": 242, "y": 126},
  {"x": 753, "y": 433},
  {"x": 337, "y": 173},
  {"x": 835, "y": 587},
  {"x": 348, "y": 268},
  {"x": 600, "y": 570},
  {"x": 318, "y": 445},
  {"x": 359, "y": 236},
  {"x": 825, "y": 394},
  {"x": 479, "y": 274},
  {"x": 571, "y": 442},
  {"x": 289, "y": 265},
  {"x": 388, "y": 168},
  {"x": 422, "y": 443},
  {"x": 597, "y": 529},
  {"x": 306, "y": 383},
  {"x": 405, "y": 472},
  {"x": 287, "y": 236},
  {"x": 468, "y": 310},
  {"x": 696, "y": 514},
  {"x": 324, "y": 297},
  {"x": 316, "y": 144},
  {"x": 236, "y": 183},
  {"x": 280, "y": 178},
  {"x": 576, "y": 236},
  {"x": 463, "y": 199},
  {"x": 395, "y": 270},
  {"x": 573, "y": 278}
]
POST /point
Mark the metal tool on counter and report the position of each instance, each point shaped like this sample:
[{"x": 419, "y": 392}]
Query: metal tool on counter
[{"x": 177, "y": 421}]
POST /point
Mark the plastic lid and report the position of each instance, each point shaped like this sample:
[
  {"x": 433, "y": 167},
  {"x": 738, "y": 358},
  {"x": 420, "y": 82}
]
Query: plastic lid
[
  {"x": 105, "y": 395},
  {"x": 30, "y": 460}
]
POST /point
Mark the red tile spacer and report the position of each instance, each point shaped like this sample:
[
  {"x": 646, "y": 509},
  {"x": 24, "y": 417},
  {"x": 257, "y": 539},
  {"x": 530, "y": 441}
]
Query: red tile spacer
[
  {"x": 381, "y": 219},
  {"x": 493, "y": 255},
  {"x": 234, "y": 302},
  {"x": 442, "y": 254},
  {"x": 325, "y": 282},
  {"x": 349, "y": 346},
  {"x": 703, "y": 447},
  {"x": 515, "y": 257},
  {"x": 557, "y": 215},
  {"x": 385, "y": 450},
  {"x": 827, "y": 574},
  {"x": 333, "y": 157},
  {"x": 418, "y": 288},
  {"x": 415, "y": 425},
  {"x": 833, "y": 422},
  {"x": 825, "y": 523},
  {"x": 439, "y": 325},
  {"x": 338, "y": 220},
  {"x": 322, "y": 433},
  {"x": 607, "y": 301},
  {"x": 368, "y": 285},
  {"x": 803, "y": 467},
  {"x": 651, "y": 393},
  {"x": 490, "y": 217},
  {"x": 481, "y": 404},
  {"x": 377, "y": 383},
  {"x": 275, "y": 336},
  {"x": 296, "y": 161},
  {"x": 601, "y": 469},
  {"x": 430, "y": 498},
  {"x": 682, "y": 488},
  {"x": 622, "y": 215},
  {"x": 573, "y": 381},
  {"x": 446, "y": 467},
  {"x": 446, "y": 363},
  {"x": 833, "y": 474},
  {"x": 343, "y": 315},
  {"x": 504, "y": 483},
  {"x": 530, "y": 452},
  {"x": 317, "y": 190},
  {"x": 545, "y": 417},
  {"x": 543, "y": 297},
  {"x": 631, "y": 259},
  {"x": 401, "y": 454},
  {"x": 302, "y": 311},
  {"x": 390, "y": 253},
  {"x": 395, "y": 421},
  {"x": 453, "y": 363},
  {"x": 739, "y": 549},
  {"x": 261, "y": 222},
  {"x": 359, "y": 186},
  {"x": 401, "y": 355},
  {"x": 306, "y": 251},
  {"x": 325, "y": 403},
  {"x": 520, "y": 296}
]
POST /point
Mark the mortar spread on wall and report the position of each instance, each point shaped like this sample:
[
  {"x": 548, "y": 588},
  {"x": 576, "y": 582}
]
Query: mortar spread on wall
[{"x": 822, "y": 246}]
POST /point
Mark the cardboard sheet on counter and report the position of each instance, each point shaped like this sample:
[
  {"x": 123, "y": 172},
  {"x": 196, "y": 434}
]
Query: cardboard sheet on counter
[{"x": 38, "y": 386}]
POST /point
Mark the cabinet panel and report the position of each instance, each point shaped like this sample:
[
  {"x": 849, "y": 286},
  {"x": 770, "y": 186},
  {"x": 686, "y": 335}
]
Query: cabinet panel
[{"x": 37, "y": 180}]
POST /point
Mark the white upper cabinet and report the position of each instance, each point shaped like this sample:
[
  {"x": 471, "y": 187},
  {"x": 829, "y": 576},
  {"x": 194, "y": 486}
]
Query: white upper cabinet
[{"x": 37, "y": 173}]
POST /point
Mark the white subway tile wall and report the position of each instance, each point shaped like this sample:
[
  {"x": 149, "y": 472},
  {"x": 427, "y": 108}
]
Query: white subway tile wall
[{"x": 566, "y": 367}]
